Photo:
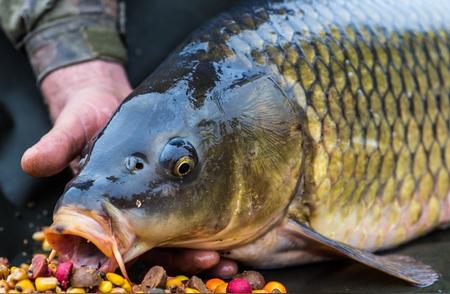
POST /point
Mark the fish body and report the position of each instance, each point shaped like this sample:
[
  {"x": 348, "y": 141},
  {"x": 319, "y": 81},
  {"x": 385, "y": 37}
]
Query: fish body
[{"x": 277, "y": 126}]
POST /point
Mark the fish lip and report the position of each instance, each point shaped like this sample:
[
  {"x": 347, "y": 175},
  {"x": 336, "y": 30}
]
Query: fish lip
[{"x": 71, "y": 221}]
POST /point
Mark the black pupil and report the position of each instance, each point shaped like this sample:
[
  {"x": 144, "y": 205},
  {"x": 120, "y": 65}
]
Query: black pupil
[
  {"x": 184, "y": 168},
  {"x": 139, "y": 165}
]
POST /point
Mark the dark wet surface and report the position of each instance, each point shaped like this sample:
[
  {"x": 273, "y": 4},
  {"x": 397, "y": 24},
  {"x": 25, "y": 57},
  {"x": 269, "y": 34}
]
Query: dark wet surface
[{"x": 154, "y": 29}]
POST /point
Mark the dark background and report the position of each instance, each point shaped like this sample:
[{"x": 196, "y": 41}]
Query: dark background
[{"x": 154, "y": 28}]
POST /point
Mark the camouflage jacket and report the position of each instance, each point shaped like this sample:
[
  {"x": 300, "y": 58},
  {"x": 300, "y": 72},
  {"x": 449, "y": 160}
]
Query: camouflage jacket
[{"x": 57, "y": 33}]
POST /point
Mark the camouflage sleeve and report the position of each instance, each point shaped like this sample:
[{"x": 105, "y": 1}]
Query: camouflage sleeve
[{"x": 57, "y": 33}]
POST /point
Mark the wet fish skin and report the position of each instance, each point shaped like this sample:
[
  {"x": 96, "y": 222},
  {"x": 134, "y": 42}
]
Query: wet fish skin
[
  {"x": 334, "y": 114},
  {"x": 373, "y": 81}
]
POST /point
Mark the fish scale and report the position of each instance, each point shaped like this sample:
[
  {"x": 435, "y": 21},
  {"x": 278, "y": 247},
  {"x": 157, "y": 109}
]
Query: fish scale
[{"x": 372, "y": 78}]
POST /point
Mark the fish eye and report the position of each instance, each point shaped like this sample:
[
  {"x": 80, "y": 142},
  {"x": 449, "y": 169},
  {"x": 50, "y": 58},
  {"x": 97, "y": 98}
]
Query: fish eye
[
  {"x": 179, "y": 157},
  {"x": 183, "y": 166}
]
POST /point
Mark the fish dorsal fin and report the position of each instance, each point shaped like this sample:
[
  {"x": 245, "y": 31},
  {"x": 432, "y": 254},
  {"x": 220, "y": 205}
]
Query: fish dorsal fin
[{"x": 400, "y": 266}]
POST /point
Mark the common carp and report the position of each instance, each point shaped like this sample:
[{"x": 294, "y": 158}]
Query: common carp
[{"x": 280, "y": 133}]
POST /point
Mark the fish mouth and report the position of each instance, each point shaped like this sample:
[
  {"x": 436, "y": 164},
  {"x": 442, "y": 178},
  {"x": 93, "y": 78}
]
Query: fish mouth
[{"x": 88, "y": 239}]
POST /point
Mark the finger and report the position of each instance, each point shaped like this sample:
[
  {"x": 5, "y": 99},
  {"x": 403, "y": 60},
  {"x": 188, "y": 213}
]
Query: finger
[
  {"x": 75, "y": 125},
  {"x": 51, "y": 154},
  {"x": 188, "y": 261},
  {"x": 195, "y": 261},
  {"x": 225, "y": 269}
]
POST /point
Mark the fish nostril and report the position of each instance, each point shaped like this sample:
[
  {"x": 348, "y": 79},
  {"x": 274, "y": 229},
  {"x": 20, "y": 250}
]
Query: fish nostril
[{"x": 134, "y": 163}]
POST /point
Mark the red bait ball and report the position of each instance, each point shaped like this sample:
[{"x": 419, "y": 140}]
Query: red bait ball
[
  {"x": 239, "y": 285},
  {"x": 63, "y": 273}
]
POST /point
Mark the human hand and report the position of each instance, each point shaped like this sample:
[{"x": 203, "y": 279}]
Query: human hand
[{"x": 81, "y": 98}]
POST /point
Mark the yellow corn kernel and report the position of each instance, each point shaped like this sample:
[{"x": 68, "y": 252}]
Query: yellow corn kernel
[
  {"x": 172, "y": 283},
  {"x": 13, "y": 291},
  {"x": 59, "y": 290},
  {"x": 126, "y": 286},
  {"x": 52, "y": 267},
  {"x": 25, "y": 286},
  {"x": 118, "y": 290},
  {"x": 259, "y": 291},
  {"x": 13, "y": 268},
  {"x": 191, "y": 290},
  {"x": 4, "y": 287},
  {"x": 25, "y": 267},
  {"x": 182, "y": 278},
  {"x": 105, "y": 286},
  {"x": 116, "y": 279},
  {"x": 75, "y": 290},
  {"x": 18, "y": 274},
  {"x": 176, "y": 282},
  {"x": 44, "y": 284},
  {"x": 46, "y": 246},
  {"x": 11, "y": 284},
  {"x": 4, "y": 271},
  {"x": 38, "y": 236},
  {"x": 221, "y": 288}
]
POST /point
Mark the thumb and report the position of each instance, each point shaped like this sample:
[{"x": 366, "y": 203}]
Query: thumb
[
  {"x": 76, "y": 124},
  {"x": 50, "y": 155}
]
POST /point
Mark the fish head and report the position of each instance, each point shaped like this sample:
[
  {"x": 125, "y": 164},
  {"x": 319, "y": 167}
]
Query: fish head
[{"x": 169, "y": 171}]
